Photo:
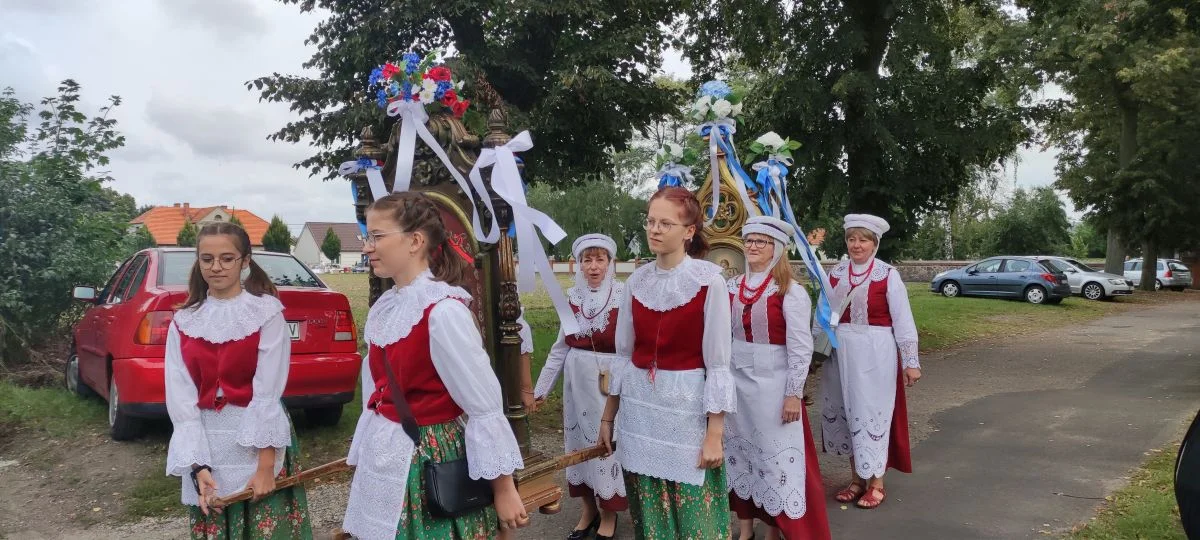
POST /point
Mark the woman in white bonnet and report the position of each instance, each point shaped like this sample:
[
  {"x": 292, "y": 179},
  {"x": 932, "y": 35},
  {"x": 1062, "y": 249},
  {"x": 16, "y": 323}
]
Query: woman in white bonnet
[
  {"x": 863, "y": 409},
  {"x": 770, "y": 457},
  {"x": 583, "y": 359}
]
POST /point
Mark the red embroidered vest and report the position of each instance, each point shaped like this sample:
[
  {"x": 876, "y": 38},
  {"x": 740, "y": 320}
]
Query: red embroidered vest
[
  {"x": 674, "y": 336},
  {"x": 229, "y": 366},
  {"x": 419, "y": 381},
  {"x": 603, "y": 342},
  {"x": 776, "y": 325},
  {"x": 878, "y": 313}
]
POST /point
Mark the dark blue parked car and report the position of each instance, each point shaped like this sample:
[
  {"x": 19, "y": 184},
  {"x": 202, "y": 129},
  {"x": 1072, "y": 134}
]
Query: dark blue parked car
[{"x": 1029, "y": 278}]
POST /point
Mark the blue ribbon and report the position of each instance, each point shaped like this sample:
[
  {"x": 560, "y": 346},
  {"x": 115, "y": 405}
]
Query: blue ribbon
[
  {"x": 731, "y": 159},
  {"x": 669, "y": 180}
]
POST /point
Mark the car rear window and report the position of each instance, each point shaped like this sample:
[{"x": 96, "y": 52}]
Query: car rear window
[
  {"x": 283, "y": 270},
  {"x": 1082, "y": 267},
  {"x": 1177, "y": 267},
  {"x": 1055, "y": 265}
]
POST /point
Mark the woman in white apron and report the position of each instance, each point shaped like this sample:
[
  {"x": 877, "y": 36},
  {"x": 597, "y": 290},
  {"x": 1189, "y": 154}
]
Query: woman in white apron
[
  {"x": 583, "y": 360},
  {"x": 770, "y": 458},
  {"x": 863, "y": 409}
]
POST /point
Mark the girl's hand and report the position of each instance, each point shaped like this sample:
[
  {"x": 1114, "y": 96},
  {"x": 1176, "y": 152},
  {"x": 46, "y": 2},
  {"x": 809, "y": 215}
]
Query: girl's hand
[
  {"x": 530, "y": 403},
  {"x": 262, "y": 483},
  {"x": 208, "y": 489},
  {"x": 606, "y": 433},
  {"x": 712, "y": 453},
  {"x": 509, "y": 507},
  {"x": 911, "y": 376},
  {"x": 792, "y": 406}
]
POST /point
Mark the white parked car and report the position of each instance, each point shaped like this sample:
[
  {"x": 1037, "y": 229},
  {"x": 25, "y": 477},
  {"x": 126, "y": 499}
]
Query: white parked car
[
  {"x": 1171, "y": 273},
  {"x": 1091, "y": 283}
]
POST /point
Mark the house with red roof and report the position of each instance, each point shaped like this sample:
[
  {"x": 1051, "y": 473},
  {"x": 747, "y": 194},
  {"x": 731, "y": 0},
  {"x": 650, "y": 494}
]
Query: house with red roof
[{"x": 164, "y": 222}]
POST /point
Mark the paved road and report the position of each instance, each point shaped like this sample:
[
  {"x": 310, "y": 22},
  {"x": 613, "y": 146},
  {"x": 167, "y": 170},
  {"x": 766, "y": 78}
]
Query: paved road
[{"x": 1025, "y": 436}]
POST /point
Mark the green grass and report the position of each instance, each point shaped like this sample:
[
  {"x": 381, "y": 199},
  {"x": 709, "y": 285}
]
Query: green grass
[
  {"x": 1144, "y": 509},
  {"x": 53, "y": 410}
]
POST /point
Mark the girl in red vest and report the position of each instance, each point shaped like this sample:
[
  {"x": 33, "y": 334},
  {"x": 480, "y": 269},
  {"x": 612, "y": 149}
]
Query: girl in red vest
[
  {"x": 227, "y": 358},
  {"x": 863, "y": 404},
  {"x": 770, "y": 457},
  {"x": 671, "y": 381},
  {"x": 425, "y": 348},
  {"x": 584, "y": 360}
]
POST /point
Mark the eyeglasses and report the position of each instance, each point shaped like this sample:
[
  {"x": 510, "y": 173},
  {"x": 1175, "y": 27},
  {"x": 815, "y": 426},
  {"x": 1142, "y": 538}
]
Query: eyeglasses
[
  {"x": 758, "y": 243},
  {"x": 225, "y": 262},
  {"x": 373, "y": 238},
  {"x": 655, "y": 225}
]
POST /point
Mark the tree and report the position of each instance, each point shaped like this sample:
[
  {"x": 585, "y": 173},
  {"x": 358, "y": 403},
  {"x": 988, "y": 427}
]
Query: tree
[
  {"x": 577, "y": 75},
  {"x": 187, "y": 234},
  {"x": 140, "y": 239},
  {"x": 1086, "y": 241},
  {"x": 593, "y": 207},
  {"x": 277, "y": 238},
  {"x": 896, "y": 104},
  {"x": 60, "y": 225},
  {"x": 234, "y": 220},
  {"x": 331, "y": 246},
  {"x": 1032, "y": 223}
]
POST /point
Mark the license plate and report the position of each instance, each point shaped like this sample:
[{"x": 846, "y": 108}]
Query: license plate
[{"x": 294, "y": 329}]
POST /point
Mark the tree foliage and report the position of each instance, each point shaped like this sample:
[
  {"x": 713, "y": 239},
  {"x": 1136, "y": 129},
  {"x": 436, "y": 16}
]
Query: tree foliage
[
  {"x": 59, "y": 225},
  {"x": 896, "y": 104},
  {"x": 592, "y": 207},
  {"x": 331, "y": 246},
  {"x": 234, "y": 220},
  {"x": 1032, "y": 223},
  {"x": 139, "y": 239},
  {"x": 277, "y": 238},
  {"x": 187, "y": 234},
  {"x": 578, "y": 75}
]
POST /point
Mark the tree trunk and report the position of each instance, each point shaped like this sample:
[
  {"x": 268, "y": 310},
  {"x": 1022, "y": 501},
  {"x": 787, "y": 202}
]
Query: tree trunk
[
  {"x": 1149, "y": 266},
  {"x": 1114, "y": 257}
]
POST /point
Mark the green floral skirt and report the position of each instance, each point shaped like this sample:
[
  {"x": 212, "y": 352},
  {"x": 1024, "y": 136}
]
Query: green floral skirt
[
  {"x": 665, "y": 510},
  {"x": 281, "y": 515},
  {"x": 440, "y": 442}
]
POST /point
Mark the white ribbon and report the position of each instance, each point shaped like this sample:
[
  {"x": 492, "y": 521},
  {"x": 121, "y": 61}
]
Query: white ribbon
[
  {"x": 374, "y": 176},
  {"x": 714, "y": 132},
  {"x": 506, "y": 182},
  {"x": 412, "y": 124},
  {"x": 682, "y": 172}
]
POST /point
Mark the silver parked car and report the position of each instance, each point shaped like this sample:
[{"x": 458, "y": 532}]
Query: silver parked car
[
  {"x": 1088, "y": 282},
  {"x": 1171, "y": 273}
]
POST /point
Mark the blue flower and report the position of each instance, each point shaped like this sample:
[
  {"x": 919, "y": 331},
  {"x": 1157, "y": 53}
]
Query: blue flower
[
  {"x": 411, "y": 61},
  {"x": 716, "y": 89},
  {"x": 406, "y": 90},
  {"x": 381, "y": 98},
  {"x": 376, "y": 74},
  {"x": 365, "y": 163}
]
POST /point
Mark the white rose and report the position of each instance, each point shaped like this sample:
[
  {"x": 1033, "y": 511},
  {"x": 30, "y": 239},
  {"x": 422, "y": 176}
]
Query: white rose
[
  {"x": 702, "y": 105},
  {"x": 722, "y": 108},
  {"x": 770, "y": 140},
  {"x": 673, "y": 150},
  {"x": 428, "y": 86},
  {"x": 737, "y": 109}
]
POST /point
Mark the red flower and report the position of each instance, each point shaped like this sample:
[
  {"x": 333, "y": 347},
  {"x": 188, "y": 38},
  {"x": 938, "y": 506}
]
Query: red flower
[
  {"x": 449, "y": 98},
  {"x": 389, "y": 69},
  {"x": 440, "y": 73},
  {"x": 460, "y": 108}
]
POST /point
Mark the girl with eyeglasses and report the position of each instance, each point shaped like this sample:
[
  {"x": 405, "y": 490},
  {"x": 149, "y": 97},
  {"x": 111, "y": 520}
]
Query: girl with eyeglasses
[
  {"x": 671, "y": 381},
  {"x": 584, "y": 360},
  {"x": 770, "y": 457},
  {"x": 226, "y": 364},
  {"x": 426, "y": 369}
]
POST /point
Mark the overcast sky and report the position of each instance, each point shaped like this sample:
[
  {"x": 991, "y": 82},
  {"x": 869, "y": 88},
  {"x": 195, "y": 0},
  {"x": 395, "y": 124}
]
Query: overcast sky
[{"x": 194, "y": 133}]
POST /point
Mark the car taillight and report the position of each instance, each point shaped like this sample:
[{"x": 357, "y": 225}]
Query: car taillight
[
  {"x": 1050, "y": 278},
  {"x": 343, "y": 326},
  {"x": 153, "y": 328},
  {"x": 1168, "y": 274}
]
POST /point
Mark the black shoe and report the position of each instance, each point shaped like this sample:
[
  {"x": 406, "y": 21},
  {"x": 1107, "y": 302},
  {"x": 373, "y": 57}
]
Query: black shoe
[
  {"x": 614, "y": 534},
  {"x": 581, "y": 534}
]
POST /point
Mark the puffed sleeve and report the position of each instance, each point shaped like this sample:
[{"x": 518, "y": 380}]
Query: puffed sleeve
[
  {"x": 716, "y": 345},
  {"x": 367, "y": 381},
  {"x": 189, "y": 443},
  {"x": 265, "y": 423},
  {"x": 526, "y": 334},
  {"x": 552, "y": 368},
  {"x": 797, "y": 310},
  {"x": 623, "y": 343},
  {"x": 463, "y": 365},
  {"x": 904, "y": 328}
]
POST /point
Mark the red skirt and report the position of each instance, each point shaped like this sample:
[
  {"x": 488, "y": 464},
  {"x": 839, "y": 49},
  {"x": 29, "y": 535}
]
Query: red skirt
[
  {"x": 899, "y": 450},
  {"x": 616, "y": 504},
  {"x": 814, "y": 525}
]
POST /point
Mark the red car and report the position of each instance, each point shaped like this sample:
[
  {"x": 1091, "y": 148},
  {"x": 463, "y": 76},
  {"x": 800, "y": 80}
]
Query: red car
[{"x": 117, "y": 348}]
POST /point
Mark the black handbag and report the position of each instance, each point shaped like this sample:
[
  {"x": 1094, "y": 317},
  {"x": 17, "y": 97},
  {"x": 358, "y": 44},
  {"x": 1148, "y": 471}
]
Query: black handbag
[{"x": 449, "y": 490}]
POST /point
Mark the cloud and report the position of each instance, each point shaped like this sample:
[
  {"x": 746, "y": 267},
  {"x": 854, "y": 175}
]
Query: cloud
[
  {"x": 229, "y": 19},
  {"x": 22, "y": 69},
  {"x": 221, "y": 132},
  {"x": 45, "y": 6}
]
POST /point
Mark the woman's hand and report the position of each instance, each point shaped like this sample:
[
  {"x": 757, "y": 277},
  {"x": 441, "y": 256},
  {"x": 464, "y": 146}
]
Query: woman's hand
[
  {"x": 911, "y": 376},
  {"x": 529, "y": 402},
  {"x": 712, "y": 452},
  {"x": 208, "y": 489},
  {"x": 262, "y": 483},
  {"x": 792, "y": 407},
  {"x": 509, "y": 507},
  {"x": 606, "y": 434}
]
